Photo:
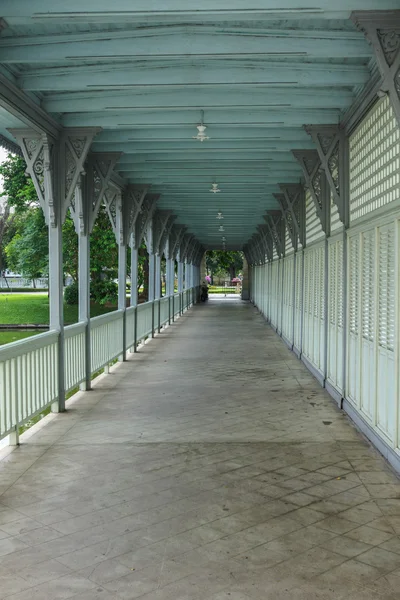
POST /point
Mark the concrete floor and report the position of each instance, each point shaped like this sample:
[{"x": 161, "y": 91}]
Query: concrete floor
[{"x": 210, "y": 466}]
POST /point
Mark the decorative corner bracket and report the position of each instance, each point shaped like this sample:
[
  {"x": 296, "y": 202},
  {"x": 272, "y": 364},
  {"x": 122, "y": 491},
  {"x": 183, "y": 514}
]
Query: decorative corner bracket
[
  {"x": 187, "y": 239},
  {"x": 176, "y": 234},
  {"x": 332, "y": 147},
  {"x": 294, "y": 197},
  {"x": 144, "y": 219},
  {"x": 276, "y": 223},
  {"x": 315, "y": 181},
  {"x": 91, "y": 189},
  {"x": 382, "y": 30},
  {"x": 55, "y": 165},
  {"x": 265, "y": 233}
]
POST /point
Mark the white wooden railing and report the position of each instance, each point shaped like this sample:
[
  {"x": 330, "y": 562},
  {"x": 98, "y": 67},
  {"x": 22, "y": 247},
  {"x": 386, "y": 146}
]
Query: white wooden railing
[
  {"x": 106, "y": 337},
  {"x": 164, "y": 310},
  {"x": 29, "y": 369},
  {"x": 74, "y": 353},
  {"x": 28, "y": 379},
  {"x": 176, "y": 304}
]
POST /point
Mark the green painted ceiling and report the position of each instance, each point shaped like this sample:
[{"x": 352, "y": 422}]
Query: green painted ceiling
[{"x": 143, "y": 70}]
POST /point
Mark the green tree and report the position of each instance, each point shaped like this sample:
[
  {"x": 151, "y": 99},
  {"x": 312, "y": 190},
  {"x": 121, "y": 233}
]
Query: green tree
[
  {"x": 19, "y": 193},
  {"x": 222, "y": 262},
  {"x": 27, "y": 251},
  {"x": 24, "y": 235},
  {"x": 18, "y": 187}
]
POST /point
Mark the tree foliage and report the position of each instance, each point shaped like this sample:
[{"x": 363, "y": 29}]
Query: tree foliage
[
  {"x": 27, "y": 251},
  {"x": 219, "y": 262},
  {"x": 24, "y": 236},
  {"x": 19, "y": 193}
]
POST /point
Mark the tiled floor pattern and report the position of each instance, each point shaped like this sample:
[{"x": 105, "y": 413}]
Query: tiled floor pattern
[{"x": 210, "y": 466}]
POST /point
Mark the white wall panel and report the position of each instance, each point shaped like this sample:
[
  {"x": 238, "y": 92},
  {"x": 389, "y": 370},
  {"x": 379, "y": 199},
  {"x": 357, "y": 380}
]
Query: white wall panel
[
  {"x": 372, "y": 361},
  {"x": 287, "y": 300},
  {"x": 298, "y": 306},
  {"x": 314, "y": 303},
  {"x": 335, "y": 313},
  {"x": 274, "y": 293},
  {"x": 296, "y": 303}
]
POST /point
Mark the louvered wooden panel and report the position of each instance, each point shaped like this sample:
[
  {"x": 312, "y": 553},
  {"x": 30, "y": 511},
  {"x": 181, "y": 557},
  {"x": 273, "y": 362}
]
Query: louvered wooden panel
[
  {"x": 279, "y": 296},
  {"x": 298, "y": 301},
  {"x": 287, "y": 317},
  {"x": 335, "y": 316},
  {"x": 320, "y": 358},
  {"x": 314, "y": 306},
  {"x": 353, "y": 362},
  {"x": 386, "y": 374},
  {"x": 367, "y": 287},
  {"x": 368, "y": 282}
]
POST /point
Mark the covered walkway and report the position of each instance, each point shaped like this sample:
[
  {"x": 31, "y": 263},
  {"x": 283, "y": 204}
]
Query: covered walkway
[{"x": 209, "y": 465}]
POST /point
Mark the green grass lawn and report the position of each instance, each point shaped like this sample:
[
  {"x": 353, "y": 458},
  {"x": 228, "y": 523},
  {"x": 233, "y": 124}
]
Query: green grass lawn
[
  {"x": 23, "y": 309},
  {"x": 216, "y": 289},
  {"x": 6, "y": 337}
]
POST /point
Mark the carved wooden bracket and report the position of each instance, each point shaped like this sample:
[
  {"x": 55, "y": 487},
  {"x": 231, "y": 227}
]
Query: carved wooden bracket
[
  {"x": 265, "y": 234},
  {"x": 332, "y": 148},
  {"x": 295, "y": 202},
  {"x": 315, "y": 180},
  {"x": 56, "y": 166},
  {"x": 176, "y": 235},
  {"x": 91, "y": 189},
  {"x": 276, "y": 223},
  {"x": 382, "y": 30},
  {"x": 143, "y": 219},
  {"x": 187, "y": 239}
]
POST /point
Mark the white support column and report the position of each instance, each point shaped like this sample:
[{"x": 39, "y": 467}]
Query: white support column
[
  {"x": 152, "y": 273},
  {"x": 84, "y": 300},
  {"x": 121, "y": 276},
  {"x": 180, "y": 285},
  {"x": 56, "y": 296},
  {"x": 180, "y": 276},
  {"x": 121, "y": 273},
  {"x": 170, "y": 277},
  {"x": 122, "y": 291},
  {"x": 157, "y": 285},
  {"x": 134, "y": 273},
  {"x": 185, "y": 275}
]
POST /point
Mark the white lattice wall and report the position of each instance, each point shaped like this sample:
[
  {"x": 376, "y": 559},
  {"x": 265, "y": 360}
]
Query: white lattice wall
[{"x": 374, "y": 161}]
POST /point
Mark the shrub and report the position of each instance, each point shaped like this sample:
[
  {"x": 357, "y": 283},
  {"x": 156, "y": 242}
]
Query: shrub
[
  {"x": 104, "y": 292},
  {"x": 71, "y": 293}
]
